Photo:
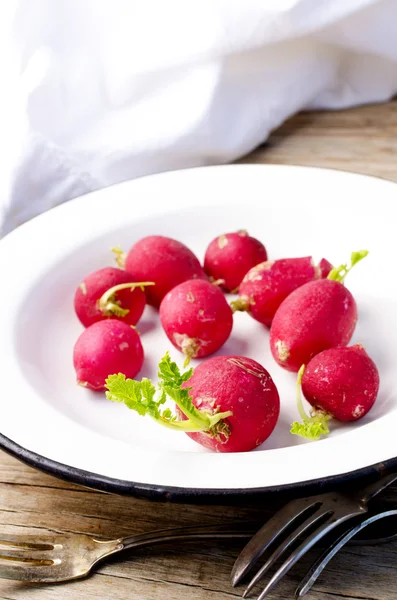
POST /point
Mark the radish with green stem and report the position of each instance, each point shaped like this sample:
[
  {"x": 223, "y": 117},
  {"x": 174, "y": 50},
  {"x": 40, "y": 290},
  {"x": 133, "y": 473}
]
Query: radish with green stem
[
  {"x": 319, "y": 315},
  {"x": 106, "y": 347},
  {"x": 340, "y": 383},
  {"x": 164, "y": 261},
  {"x": 110, "y": 293},
  {"x": 196, "y": 318},
  {"x": 266, "y": 285},
  {"x": 228, "y": 404},
  {"x": 230, "y": 256}
]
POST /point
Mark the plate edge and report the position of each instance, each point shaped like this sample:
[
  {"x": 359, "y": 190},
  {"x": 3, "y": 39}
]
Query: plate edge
[{"x": 153, "y": 492}]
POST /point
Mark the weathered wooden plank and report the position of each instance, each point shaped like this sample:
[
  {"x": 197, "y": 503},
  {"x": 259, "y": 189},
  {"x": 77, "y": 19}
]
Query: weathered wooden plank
[{"x": 363, "y": 140}]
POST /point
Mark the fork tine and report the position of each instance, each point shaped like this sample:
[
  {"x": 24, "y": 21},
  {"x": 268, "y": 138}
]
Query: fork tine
[
  {"x": 27, "y": 556},
  {"x": 33, "y": 542},
  {"x": 279, "y": 551},
  {"x": 267, "y": 534},
  {"x": 319, "y": 565},
  {"x": 28, "y": 572},
  {"x": 301, "y": 551},
  {"x": 30, "y": 557}
]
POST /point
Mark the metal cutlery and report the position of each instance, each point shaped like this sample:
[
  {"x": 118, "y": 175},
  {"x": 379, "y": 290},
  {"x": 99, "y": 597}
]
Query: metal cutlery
[
  {"x": 301, "y": 524},
  {"x": 67, "y": 556},
  {"x": 319, "y": 565}
]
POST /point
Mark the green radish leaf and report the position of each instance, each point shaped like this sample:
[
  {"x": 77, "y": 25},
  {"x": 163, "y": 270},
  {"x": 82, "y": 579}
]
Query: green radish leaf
[
  {"x": 339, "y": 273},
  {"x": 147, "y": 399},
  {"x": 357, "y": 256},
  {"x": 170, "y": 374},
  {"x": 310, "y": 430},
  {"x": 136, "y": 395},
  {"x": 171, "y": 380},
  {"x": 127, "y": 391},
  {"x": 311, "y": 427}
]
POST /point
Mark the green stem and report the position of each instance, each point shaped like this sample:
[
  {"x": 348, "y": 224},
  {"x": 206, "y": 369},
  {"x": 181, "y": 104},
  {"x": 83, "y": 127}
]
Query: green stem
[
  {"x": 312, "y": 427},
  {"x": 120, "y": 256},
  {"x": 301, "y": 409},
  {"x": 186, "y": 426},
  {"x": 188, "y": 346},
  {"x": 195, "y": 416},
  {"x": 217, "y": 417},
  {"x": 109, "y": 306},
  {"x": 217, "y": 282},
  {"x": 339, "y": 273},
  {"x": 242, "y": 304},
  {"x": 189, "y": 426}
]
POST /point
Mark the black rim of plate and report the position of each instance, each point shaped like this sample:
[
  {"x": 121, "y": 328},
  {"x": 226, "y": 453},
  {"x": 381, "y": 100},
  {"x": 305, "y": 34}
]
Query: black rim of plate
[{"x": 182, "y": 494}]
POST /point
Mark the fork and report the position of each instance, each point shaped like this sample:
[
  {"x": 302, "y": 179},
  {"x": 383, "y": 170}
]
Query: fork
[
  {"x": 312, "y": 518},
  {"x": 319, "y": 565},
  {"x": 66, "y": 556}
]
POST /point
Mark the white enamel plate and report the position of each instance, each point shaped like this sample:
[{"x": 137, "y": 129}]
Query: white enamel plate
[{"x": 50, "y": 422}]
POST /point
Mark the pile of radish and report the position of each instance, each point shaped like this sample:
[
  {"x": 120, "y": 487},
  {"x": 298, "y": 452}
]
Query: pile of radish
[{"x": 227, "y": 403}]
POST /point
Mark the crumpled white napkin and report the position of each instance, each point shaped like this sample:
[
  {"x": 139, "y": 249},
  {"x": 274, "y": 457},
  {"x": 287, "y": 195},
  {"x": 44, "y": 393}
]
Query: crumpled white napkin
[{"x": 97, "y": 91}]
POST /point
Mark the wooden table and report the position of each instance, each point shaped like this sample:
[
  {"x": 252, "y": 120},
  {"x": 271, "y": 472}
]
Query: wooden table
[{"x": 362, "y": 140}]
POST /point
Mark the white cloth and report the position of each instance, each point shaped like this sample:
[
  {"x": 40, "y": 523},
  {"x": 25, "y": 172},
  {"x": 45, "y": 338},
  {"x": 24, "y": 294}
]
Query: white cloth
[{"x": 99, "y": 91}]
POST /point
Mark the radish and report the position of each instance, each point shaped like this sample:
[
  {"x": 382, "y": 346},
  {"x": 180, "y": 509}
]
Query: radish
[
  {"x": 230, "y": 256},
  {"x": 196, "y": 318},
  {"x": 164, "y": 261},
  {"x": 110, "y": 292},
  {"x": 325, "y": 268},
  {"x": 318, "y": 315},
  {"x": 340, "y": 383},
  {"x": 243, "y": 387},
  {"x": 266, "y": 285},
  {"x": 228, "y": 404},
  {"x": 104, "y": 348}
]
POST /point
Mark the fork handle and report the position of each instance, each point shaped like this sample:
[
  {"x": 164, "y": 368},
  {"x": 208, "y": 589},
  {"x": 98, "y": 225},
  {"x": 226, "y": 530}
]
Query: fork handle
[
  {"x": 223, "y": 531},
  {"x": 375, "y": 488}
]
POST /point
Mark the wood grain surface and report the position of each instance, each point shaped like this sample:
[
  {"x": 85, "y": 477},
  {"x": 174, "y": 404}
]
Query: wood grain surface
[{"x": 362, "y": 140}]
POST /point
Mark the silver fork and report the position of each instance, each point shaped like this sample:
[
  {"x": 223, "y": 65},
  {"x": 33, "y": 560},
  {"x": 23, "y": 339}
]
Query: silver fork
[
  {"x": 311, "y": 518},
  {"x": 319, "y": 565},
  {"x": 61, "y": 557}
]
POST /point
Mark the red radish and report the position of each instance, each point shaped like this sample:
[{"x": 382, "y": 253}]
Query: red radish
[
  {"x": 109, "y": 292},
  {"x": 230, "y": 256},
  {"x": 340, "y": 383},
  {"x": 266, "y": 285},
  {"x": 318, "y": 315},
  {"x": 104, "y": 348},
  {"x": 325, "y": 268},
  {"x": 164, "y": 261},
  {"x": 228, "y": 404},
  {"x": 243, "y": 387},
  {"x": 196, "y": 318}
]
